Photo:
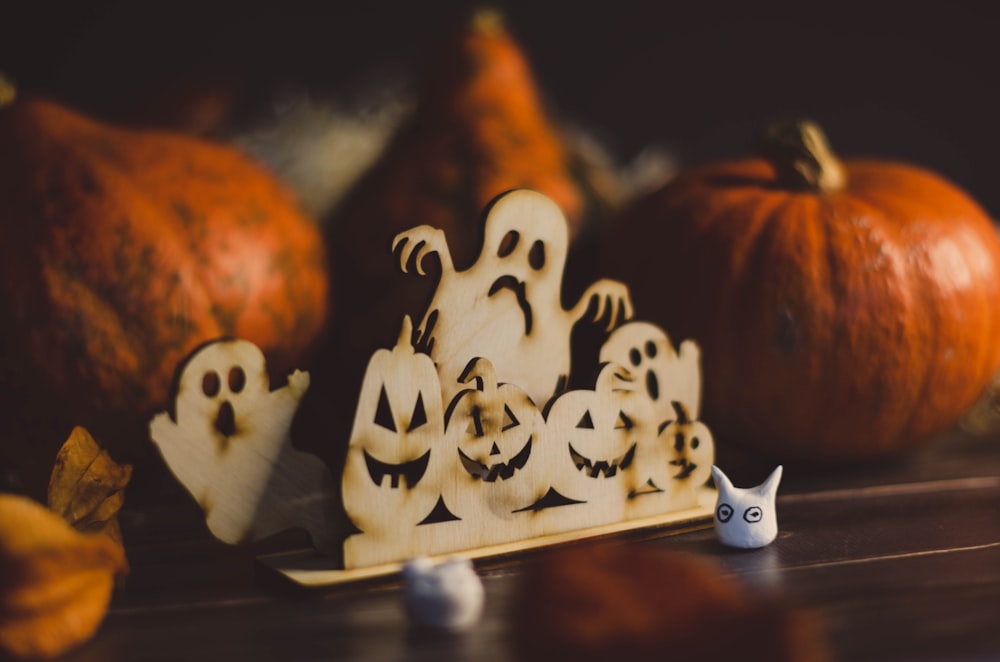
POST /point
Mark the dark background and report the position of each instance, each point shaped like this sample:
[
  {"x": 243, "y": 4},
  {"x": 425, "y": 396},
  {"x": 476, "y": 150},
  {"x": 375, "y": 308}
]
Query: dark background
[{"x": 893, "y": 80}]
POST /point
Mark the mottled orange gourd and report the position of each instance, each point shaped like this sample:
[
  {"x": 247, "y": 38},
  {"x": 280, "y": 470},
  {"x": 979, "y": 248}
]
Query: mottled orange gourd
[
  {"x": 122, "y": 250},
  {"x": 845, "y": 310}
]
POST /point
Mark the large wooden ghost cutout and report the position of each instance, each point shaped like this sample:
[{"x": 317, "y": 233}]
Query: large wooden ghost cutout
[
  {"x": 507, "y": 306},
  {"x": 665, "y": 374},
  {"x": 395, "y": 468},
  {"x": 496, "y": 431},
  {"x": 228, "y": 443}
]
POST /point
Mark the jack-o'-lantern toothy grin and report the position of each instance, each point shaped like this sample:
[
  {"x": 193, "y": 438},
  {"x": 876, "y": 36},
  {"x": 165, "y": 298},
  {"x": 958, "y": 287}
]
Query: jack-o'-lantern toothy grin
[
  {"x": 412, "y": 471},
  {"x": 501, "y": 470},
  {"x": 686, "y": 468},
  {"x": 607, "y": 468}
]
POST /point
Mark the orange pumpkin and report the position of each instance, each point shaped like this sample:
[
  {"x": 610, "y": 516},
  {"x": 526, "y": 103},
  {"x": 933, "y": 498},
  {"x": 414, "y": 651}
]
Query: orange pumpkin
[
  {"x": 120, "y": 251},
  {"x": 845, "y": 309},
  {"x": 480, "y": 129}
]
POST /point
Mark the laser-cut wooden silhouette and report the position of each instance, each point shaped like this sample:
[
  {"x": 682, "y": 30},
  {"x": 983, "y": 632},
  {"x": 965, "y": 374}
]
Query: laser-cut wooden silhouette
[
  {"x": 665, "y": 374},
  {"x": 393, "y": 472},
  {"x": 507, "y": 306},
  {"x": 692, "y": 451},
  {"x": 228, "y": 443}
]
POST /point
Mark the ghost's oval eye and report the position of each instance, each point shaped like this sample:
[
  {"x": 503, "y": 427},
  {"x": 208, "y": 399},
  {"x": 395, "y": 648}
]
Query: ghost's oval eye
[
  {"x": 724, "y": 512},
  {"x": 237, "y": 379},
  {"x": 536, "y": 256},
  {"x": 508, "y": 243},
  {"x": 210, "y": 383},
  {"x": 753, "y": 514}
]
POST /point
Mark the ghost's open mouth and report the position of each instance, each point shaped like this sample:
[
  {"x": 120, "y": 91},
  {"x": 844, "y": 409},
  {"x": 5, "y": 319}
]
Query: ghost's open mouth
[
  {"x": 502, "y": 470},
  {"x": 607, "y": 468},
  {"x": 518, "y": 288},
  {"x": 687, "y": 468},
  {"x": 412, "y": 471}
]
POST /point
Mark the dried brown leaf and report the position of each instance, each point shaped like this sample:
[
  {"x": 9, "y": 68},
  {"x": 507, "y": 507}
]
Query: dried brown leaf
[{"x": 87, "y": 486}]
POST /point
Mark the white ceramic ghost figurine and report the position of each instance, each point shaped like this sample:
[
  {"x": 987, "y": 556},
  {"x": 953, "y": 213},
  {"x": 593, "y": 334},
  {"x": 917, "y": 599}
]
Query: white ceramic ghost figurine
[
  {"x": 228, "y": 443},
  {"x": 746, "y": 518},
  {"x": 667, "y": 375},
  {"x": 446, "y": 596},
  {"x": 507, "y": 306}
]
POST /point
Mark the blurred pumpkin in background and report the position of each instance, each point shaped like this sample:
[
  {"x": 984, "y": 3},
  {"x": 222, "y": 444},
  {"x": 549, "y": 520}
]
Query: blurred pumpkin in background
[
  {"x": 479, "y": 129},
  {"x": 845, "y": 310},
  {"x": 122, "y": 250}
]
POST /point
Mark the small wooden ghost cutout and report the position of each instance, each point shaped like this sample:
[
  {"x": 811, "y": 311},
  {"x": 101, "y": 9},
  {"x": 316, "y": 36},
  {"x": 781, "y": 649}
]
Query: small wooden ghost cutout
[
  {"x": 229, "y": 445},
  {"x": 746, "y": 518},
  {"x": 507, "y": 306},
  {"x": 692, "y": 452},
  {"x": 393, "y": 470},
  {"x": 667, "y": 375},
  {"x": 447, "y": 596}
]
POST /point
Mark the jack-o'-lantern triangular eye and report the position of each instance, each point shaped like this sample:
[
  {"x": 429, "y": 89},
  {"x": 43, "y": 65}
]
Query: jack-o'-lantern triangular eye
[
  {"x": 475, "y": 423},
  {"x": 383, "y": 413},
  {"x": 419, "y": 414},
  {"x": 624, "y": 422},
  {"x": 509, "y": 420},
  {"x": 586, "y": 422}
]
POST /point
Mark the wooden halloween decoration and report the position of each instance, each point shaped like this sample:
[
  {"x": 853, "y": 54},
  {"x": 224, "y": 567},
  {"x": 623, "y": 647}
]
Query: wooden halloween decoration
[
  {"x": 507, "y": 306},
  {"x": 393, "y": 473},
  {"x": 597, "y": 434},
  {"x": 446, "y": 596},
  {"x": 846, "y": 310},
  {"x": 692, "y": 452},
  {"x": 746, "y": 518},
  {"x": 666, "y": 374},
  {"x": 480, "y": 128},
  {"x": 121, "y": 250},
  {"x": 227, "y": 441},
  {"x": 497, "y": 433}
]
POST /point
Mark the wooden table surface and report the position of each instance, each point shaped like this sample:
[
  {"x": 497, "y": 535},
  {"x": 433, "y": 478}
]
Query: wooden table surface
[{"x": 901, "y": 559}]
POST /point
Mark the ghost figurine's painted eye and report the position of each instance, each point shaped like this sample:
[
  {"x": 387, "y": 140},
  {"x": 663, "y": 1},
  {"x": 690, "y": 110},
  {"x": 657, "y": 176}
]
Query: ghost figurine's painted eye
[
  {"x": 753, "y": 514},
  {"x": 237, "y": 379},
  {"x": 210, "y": 384},
  {"x": 724, "y": 512}
]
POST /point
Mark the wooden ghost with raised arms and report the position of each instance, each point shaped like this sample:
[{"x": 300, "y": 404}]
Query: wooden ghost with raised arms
[
  {"x": 507, "y": 306},
  {"x": 228, "y": 443},
  {"x": 396, "y": 457},
  {"x": 666, "y": 375}
]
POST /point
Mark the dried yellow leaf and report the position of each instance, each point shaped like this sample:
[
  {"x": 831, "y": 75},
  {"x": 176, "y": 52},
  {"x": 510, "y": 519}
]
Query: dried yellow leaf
[{"x": 87, "y": 486}]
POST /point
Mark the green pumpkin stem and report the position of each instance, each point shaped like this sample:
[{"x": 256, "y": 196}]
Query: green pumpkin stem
[
  {"x": 8, "y": 91},
  {"x": 801, "y": 157}
]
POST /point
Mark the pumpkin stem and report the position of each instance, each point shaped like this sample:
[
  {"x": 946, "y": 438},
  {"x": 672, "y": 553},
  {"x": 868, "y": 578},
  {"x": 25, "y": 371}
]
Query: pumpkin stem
[
  {"x": 8, "y": 91},
  {"x": 801, "y": 156}
]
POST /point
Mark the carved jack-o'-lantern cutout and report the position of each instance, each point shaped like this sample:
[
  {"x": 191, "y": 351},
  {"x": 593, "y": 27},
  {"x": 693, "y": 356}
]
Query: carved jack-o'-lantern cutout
[
  {"x": 495, "y": 429},
  {"x": 390, "y": 478},
  {"x": 692, "y": 452},
  {"x": 507, "y": 306},
  {"x": 601, "y": 433},
  {"x": 665, "y": 374}
]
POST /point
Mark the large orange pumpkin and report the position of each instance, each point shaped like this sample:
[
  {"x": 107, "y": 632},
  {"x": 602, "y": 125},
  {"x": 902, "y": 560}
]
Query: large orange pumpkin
[
  {"x": 122, "y": 250},
  {"x": 845, "y": 309}
]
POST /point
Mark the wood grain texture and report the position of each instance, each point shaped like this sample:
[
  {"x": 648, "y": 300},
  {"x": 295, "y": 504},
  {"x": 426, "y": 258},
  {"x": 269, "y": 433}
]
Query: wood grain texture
[{"x": 902, "y": 561}]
